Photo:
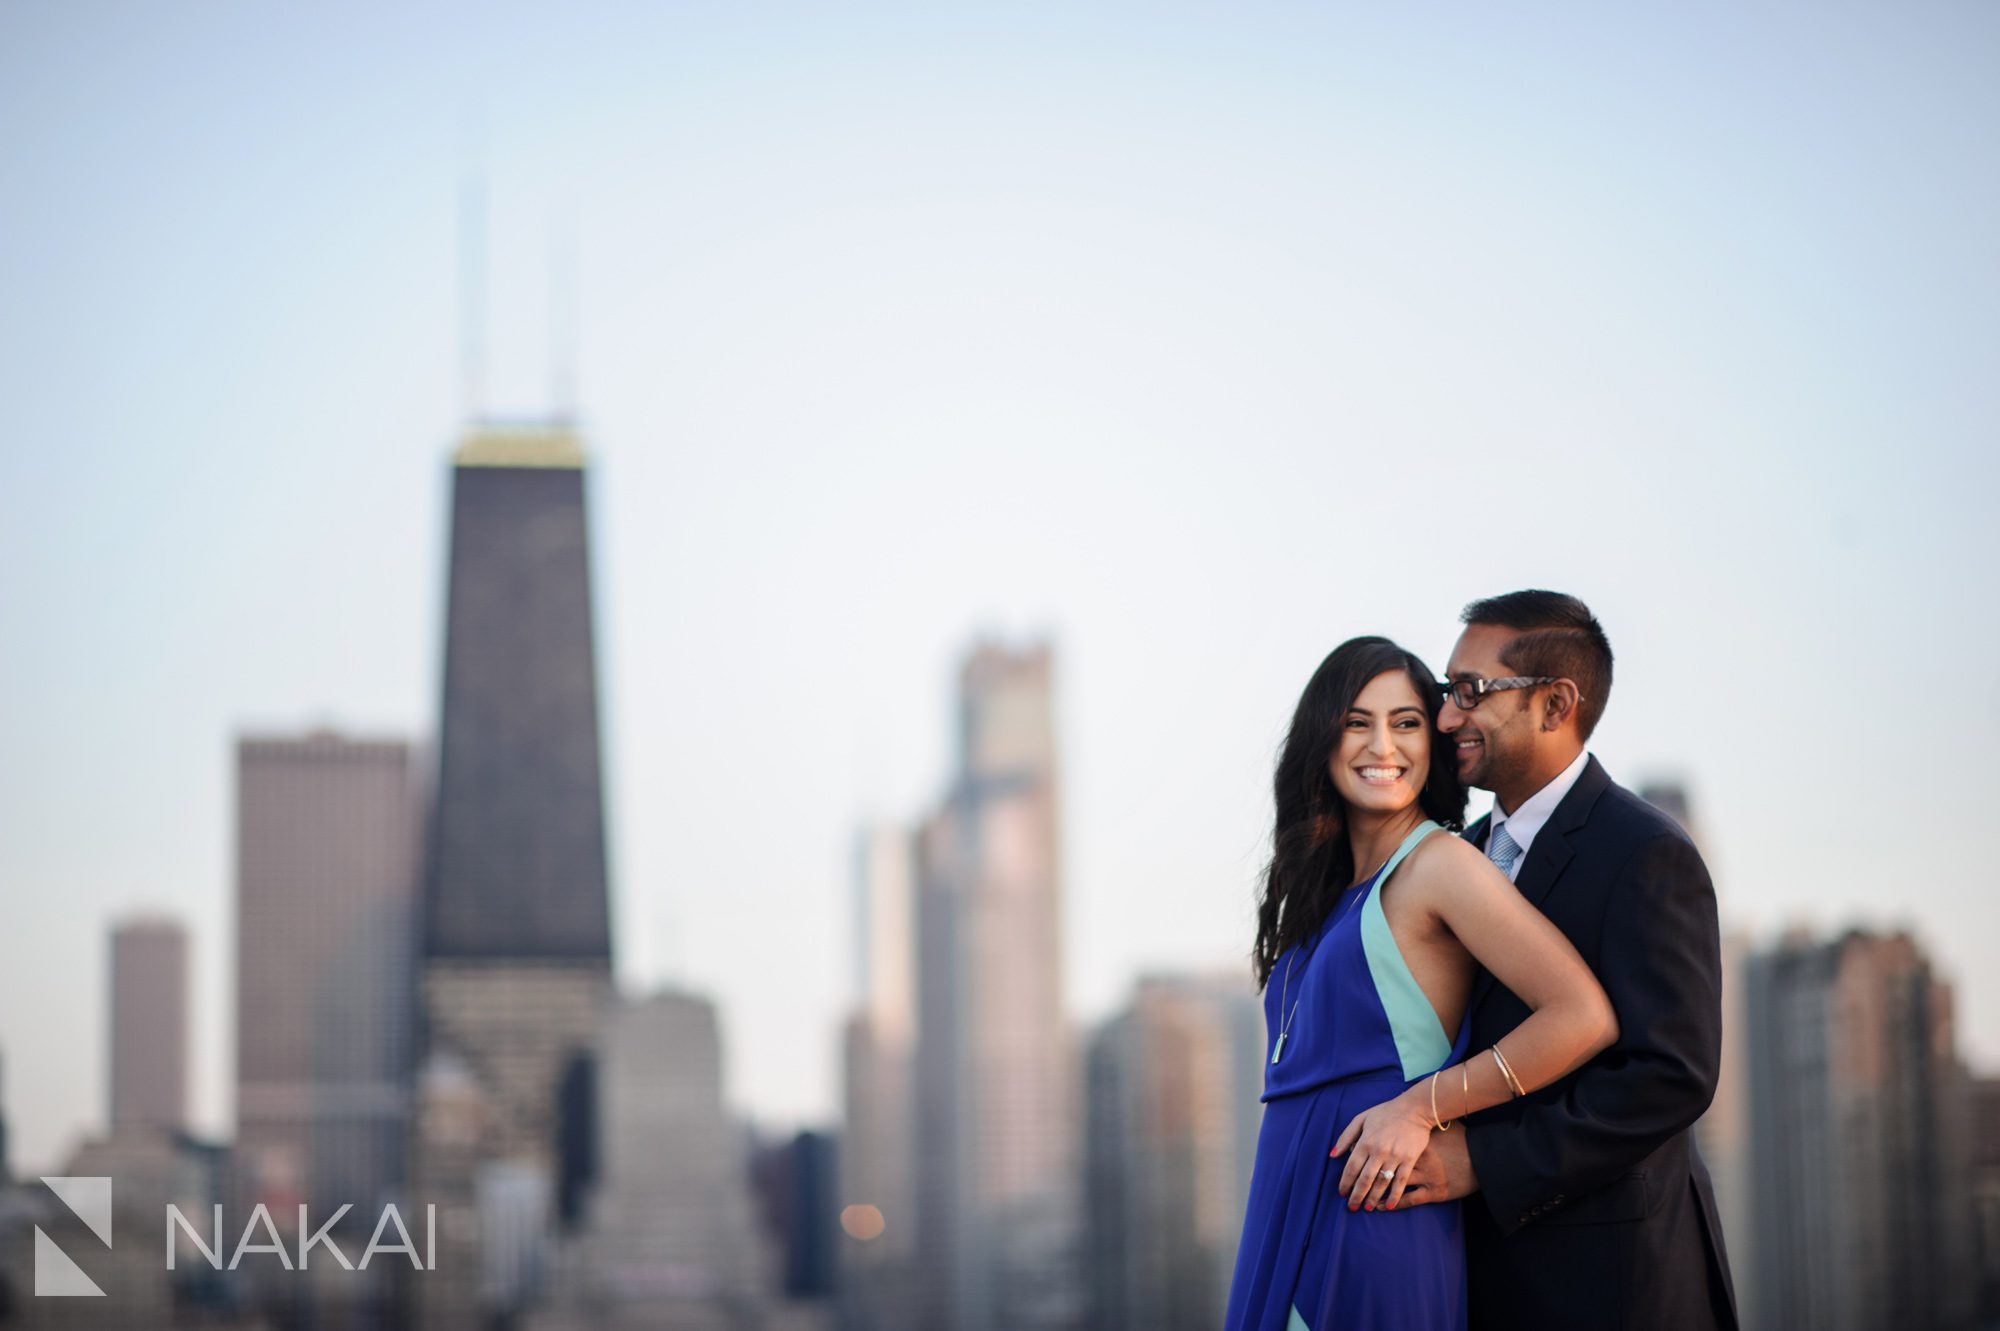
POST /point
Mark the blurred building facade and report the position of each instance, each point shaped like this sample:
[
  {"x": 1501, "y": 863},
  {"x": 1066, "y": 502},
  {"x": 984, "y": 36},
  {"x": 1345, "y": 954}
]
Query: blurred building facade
[
  {"x": 1985, "y": 1184},
  {"x": 794, "y": 1181},
  {"x": 145, "y": 1162},
  {"x": 996, "y": 1070},
  {"x": 667, "y": 1237},
  {"x": 149, "y": 1026},
  {"x": 878, "y": 1157},
  {"x": 141, "y": 1170},
  {"x": 1723, "y": 1132},
  {"x": 328, "y": 830},
  {"x": 1173, "y": 1112},
  {"x": 1861, "y": 1207},
  {"x": 516, "y": 934},
  {"x": 147, "y": 1170}
]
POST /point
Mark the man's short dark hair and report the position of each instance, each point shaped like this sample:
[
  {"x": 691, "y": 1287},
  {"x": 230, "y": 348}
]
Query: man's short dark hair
[{"x": 1555, "y": 635}]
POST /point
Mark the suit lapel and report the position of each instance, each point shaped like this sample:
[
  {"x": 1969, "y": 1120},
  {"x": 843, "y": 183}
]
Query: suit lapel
[
  {"x": 1551, "y": 852},
  {"x": 1476, "y": 833}
]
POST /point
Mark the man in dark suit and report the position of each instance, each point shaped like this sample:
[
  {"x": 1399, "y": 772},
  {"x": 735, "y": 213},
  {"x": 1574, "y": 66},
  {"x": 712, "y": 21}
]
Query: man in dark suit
[{"x": 1587, "y": 1203}]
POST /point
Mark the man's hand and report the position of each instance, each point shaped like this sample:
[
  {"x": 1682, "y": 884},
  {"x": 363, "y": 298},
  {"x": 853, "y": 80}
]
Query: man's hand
[{"x": 1443, "y": 1173}]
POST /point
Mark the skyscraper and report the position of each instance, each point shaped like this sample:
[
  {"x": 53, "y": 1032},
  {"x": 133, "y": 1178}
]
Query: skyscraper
[
  {"x": 517, "y": 870},
  {"x": 1174, "y": 1082},
  {"x": 149, "y": 1026},
  {"x": 1984, "y": 1122},
  {"x": 516, "y": 920},
  {"x": 793, "y": 1181},
  {"x": 327, "y": 837},
  {"x": 996, "y": 1062},
  {"x": 1857, "y": 1102},
  {"x": 878, "y": 1156},
  {"x": 667, "y": 1237},
  {"x": 1723, "y": 1131},
  {"x": 5, "y": 1175}
]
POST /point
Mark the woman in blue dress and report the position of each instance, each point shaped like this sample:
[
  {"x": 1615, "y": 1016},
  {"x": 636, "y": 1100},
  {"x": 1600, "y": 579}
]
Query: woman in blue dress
[{"x": 1364, "y": 983}]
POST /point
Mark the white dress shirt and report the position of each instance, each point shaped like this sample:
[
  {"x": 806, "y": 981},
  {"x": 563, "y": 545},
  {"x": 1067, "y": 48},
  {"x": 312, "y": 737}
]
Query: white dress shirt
[{"x": 1525, "y": 822}]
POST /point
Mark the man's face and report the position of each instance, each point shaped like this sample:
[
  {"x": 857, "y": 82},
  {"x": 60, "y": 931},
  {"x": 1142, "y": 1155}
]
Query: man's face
[{"x": 1496, "y": 739}]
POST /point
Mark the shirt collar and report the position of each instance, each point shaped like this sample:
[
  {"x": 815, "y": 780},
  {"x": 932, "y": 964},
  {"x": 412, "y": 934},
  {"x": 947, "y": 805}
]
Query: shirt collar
[{"x": 1535, "y": 811}]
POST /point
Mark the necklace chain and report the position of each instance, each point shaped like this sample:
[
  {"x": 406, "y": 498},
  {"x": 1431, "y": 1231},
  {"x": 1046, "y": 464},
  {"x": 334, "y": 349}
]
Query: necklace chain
[{"x": 1285, "y": 1027}]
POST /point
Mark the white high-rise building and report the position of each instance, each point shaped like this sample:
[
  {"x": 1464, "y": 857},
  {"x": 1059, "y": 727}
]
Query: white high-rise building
[
  {"x": 885, "y": 955},
  {"x": 667, "y": 1237},
  {"x": 996, "y": 1062}
]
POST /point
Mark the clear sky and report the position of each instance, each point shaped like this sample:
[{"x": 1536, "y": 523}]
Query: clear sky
[{"x": 1198, "y": 337}]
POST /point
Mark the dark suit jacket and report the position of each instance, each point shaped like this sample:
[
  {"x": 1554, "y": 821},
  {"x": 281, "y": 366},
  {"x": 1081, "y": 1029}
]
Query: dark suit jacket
[{"x": 1594, "y": 1208}]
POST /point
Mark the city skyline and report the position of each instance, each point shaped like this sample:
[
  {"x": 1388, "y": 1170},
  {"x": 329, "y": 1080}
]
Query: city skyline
[{"x": 1149, "y": 344}]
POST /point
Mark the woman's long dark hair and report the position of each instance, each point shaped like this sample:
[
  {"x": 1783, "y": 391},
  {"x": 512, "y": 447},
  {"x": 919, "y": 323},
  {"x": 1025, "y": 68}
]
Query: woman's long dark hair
[{"x": 1312, "y": 859}]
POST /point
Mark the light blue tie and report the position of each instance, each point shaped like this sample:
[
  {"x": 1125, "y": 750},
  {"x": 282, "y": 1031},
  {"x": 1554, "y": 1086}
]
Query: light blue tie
[{"x": 1500, "y": 848}]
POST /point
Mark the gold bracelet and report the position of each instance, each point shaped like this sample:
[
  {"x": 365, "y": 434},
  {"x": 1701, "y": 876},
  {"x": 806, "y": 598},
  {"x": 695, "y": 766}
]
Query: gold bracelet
[
  {"x": 1464, "y": 1088},
  {"x": 1507, "y": 1071},
  {"x": 1437, "y": 1123}
]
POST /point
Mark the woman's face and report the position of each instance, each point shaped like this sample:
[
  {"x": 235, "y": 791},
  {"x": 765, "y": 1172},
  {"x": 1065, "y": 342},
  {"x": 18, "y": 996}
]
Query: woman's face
[{"x": 1384, "y": 754}]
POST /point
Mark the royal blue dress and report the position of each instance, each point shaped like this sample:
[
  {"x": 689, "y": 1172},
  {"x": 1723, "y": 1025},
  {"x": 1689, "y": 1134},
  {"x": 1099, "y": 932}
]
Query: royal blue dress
[{"x": 1356, "y": 1030}]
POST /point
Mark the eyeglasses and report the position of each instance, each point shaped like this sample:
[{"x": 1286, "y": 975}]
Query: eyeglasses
[{"x": 1467, "y": 693}]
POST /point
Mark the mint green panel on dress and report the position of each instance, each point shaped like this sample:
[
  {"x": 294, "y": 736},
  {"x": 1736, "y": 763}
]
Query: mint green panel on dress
[
  {"x": 1296, "y": 1322},
  {"x": 1421, "y": 1043}
]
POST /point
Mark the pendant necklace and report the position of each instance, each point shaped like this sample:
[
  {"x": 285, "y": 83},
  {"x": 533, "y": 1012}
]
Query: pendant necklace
[{"x": 1278, "y": 1049}]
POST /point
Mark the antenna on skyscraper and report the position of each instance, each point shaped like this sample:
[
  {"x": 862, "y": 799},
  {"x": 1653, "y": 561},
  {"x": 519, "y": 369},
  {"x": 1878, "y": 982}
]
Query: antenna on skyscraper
[
  {"x": 562, "y": 317},
  {"x": 472, "y": 270}
]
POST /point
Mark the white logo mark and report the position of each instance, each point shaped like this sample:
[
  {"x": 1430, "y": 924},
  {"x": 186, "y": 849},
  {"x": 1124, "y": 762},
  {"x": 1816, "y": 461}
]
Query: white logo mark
[{"x": 56, "y": 1276}]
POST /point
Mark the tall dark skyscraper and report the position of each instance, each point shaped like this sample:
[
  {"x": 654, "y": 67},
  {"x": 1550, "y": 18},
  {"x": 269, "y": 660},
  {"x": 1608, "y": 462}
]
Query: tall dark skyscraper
[
  {"x": 518, "y": 863},
  {"x": 516, "y": 921}
]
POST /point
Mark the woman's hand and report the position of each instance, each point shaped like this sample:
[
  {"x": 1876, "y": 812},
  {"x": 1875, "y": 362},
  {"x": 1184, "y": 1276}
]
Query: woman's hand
[{"x": 1385, "y": 1142}]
